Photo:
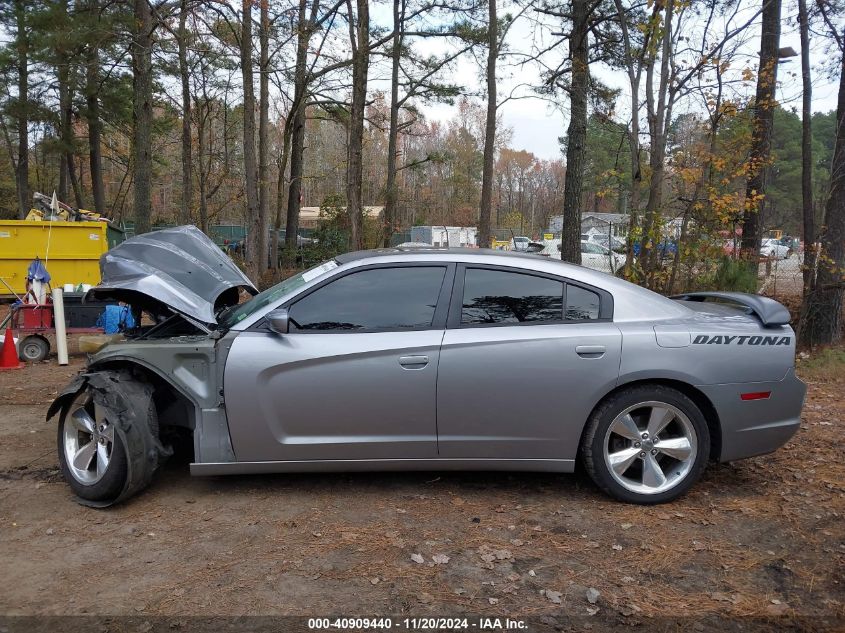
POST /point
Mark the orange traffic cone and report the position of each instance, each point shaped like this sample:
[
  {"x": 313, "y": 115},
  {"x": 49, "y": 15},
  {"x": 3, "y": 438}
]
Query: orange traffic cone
[{"x": 9, "y": 356}]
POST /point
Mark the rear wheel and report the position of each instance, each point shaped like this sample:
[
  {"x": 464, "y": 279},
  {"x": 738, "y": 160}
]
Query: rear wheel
[
  {"x": 647, "y": 444},
  {"x": 34, "y": 348}
]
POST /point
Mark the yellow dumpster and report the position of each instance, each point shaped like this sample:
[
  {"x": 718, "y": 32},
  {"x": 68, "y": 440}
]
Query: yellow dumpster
[{"x": 70, "y": 252}]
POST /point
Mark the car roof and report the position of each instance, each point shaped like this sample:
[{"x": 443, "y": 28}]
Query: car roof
[
  {"x": 462, "y": 253},
  {"x": 491, "y": 257}
]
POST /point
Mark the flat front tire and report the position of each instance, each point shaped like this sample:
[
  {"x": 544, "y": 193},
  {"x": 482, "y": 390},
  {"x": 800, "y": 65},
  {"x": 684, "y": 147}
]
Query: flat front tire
[
  {"x": 91, "y": 452},
  {"x": 109, "y": 453},
  {"x": 646, "y": 444}
]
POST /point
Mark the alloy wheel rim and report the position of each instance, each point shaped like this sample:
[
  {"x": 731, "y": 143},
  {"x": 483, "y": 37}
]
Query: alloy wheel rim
[
  {"x": 88, "y": 440},
  {"x": 650, "y": 447}
]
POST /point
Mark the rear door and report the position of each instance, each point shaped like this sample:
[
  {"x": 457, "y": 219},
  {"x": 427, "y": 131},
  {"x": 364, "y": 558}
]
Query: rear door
[
  {"x": 524, "y": 359},
  {"x": 355, "y": 378}
]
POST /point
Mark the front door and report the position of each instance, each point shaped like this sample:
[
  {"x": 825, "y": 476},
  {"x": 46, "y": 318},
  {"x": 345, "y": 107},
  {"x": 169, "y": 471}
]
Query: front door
[
  {"x": 524, "y": 360},
  {"x": 356, "y": 377}
]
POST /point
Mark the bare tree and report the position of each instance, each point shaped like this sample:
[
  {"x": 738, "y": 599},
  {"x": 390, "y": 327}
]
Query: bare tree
[
  {"x": 359, "y": 36},
  {"x": 187, "y": 149},
  {"x": 484, "y": 233},
  {"x": 254, "y": 229},
  {"x": 92, "y": 110},
  {"x": 263, "y": 132},
  {"x": 821, "y": 322},
  {"x": 807, "y": 207},
  {"x": 142, "y": 114},
  {"x": 761, "y": 133},
  {"x": 576, "y": 140}
]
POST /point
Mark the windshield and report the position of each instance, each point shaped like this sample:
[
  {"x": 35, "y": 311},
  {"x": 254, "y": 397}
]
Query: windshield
[{"x": 238, "y": 313}]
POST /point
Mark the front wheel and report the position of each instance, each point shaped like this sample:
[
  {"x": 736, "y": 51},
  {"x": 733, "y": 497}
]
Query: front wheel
[
  {"x": 647, "y": 444},
  {"x": 91, "y": 452}
]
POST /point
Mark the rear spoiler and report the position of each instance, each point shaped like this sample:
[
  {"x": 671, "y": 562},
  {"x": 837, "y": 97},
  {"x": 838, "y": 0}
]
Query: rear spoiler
[{"x": 769, "y": 311}]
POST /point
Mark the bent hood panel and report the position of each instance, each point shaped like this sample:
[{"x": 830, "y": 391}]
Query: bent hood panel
[{"x": 179, "y": 267}]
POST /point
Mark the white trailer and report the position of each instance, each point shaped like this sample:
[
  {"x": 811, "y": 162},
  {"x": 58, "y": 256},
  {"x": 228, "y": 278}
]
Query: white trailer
[{"x": 444, "y": 236}]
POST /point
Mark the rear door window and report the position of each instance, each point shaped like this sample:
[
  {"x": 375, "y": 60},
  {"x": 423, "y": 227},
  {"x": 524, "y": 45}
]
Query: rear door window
[
  {"x": 581, "y": 304},
  {"x": 497, "y": 296}
]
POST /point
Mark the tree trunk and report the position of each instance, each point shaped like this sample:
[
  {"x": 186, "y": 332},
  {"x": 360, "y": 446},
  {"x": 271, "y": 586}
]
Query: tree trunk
[
  {"x": 281, "y": 197},
  {"x": 254, "y": 255},
  {"x": 391, "y": 193},
  {"x": 761, "y": 135},
  {"x": 658, "y": 118},
  {"x": 203, "y": 173},
  {"x": 822, "y": 318},
  {"x": 65, "y": 129},
  {"x": 634, "y": 75},
  {"x": 298, "y": 108},
  {"x": 487, "y": 175},
  {"x": 808, "y": 211},
  {"x": 263, "y": 133},
  {"x": 355, "y": 165},
  {"x": 570, "y": 237},
  {"x": 92, "y": 103},
  {"x": 22, "y": 171},
  {"x": 142, "y": 115},
  {"x": 187, "y": 149}
]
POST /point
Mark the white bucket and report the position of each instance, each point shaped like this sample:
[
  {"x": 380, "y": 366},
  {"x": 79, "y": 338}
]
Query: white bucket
[
  {"x": 68, "y": 288},
  {"x": 86, "y": 287}
]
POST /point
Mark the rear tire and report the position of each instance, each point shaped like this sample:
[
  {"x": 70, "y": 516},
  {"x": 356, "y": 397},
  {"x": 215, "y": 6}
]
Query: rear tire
[
  {"x": 647, "y": 444},
  {"x": 34, "y": 348}
]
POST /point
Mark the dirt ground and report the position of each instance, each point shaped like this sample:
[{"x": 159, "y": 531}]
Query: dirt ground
[{"x": 759, "y": 543}]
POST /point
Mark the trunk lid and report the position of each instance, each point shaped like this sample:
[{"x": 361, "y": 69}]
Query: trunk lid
[{"x": 180, "y": 268}]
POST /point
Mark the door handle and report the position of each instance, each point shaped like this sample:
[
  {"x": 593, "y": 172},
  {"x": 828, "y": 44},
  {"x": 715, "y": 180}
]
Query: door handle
[
  {"x": 590, "y": 351},
  {"x": 413, "y": 362}
]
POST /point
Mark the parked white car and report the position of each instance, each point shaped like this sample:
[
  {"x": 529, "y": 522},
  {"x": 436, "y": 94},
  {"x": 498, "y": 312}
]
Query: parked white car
[
  {"x": 593, "y": 255},
  {"x": 598, "y": 257},
  {"x": 774, "y": 249}
]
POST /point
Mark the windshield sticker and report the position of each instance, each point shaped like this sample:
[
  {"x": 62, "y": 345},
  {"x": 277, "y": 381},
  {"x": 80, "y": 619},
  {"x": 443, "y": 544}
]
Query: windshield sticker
[{"x": 308, "y": 275}]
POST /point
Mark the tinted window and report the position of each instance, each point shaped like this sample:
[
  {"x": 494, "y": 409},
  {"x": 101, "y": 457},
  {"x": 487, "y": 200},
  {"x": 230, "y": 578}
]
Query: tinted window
[
  {"x": 379, "y": 298},
  {"x": 581, "y": 304},
  {"x": 493, "y": 296}
]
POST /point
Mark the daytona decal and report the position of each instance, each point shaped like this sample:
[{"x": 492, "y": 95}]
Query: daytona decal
[{"x": 706, "y": 339}]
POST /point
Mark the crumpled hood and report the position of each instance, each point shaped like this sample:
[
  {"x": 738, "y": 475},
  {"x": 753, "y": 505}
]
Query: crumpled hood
[{"x": 179, "y": 267}]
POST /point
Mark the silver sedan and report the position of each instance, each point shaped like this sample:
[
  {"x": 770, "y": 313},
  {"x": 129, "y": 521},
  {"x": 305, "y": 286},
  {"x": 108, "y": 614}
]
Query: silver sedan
[{"x": 422, "y": 359}]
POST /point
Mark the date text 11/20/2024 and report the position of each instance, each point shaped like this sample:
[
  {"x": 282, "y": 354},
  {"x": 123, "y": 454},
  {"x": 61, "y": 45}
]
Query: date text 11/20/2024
[{"x": 419, "y": 624}]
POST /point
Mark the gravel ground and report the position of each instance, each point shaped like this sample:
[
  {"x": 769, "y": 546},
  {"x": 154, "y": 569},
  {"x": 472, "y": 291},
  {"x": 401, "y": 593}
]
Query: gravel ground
[{"x": 759, "y": 543}]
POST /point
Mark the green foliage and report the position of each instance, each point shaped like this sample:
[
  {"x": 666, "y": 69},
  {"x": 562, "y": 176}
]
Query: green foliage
[
  {"x": 607, "y": 171},
  {"x": 332, "y": 233},
  {"x": 822, "y": 364},
  {"x": 733, "y": 275}
]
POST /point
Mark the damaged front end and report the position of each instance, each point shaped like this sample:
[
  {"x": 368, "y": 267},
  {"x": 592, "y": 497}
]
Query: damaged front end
[
  {"x": 167, "y": 373},
  {"x": 178, "y": 272}
]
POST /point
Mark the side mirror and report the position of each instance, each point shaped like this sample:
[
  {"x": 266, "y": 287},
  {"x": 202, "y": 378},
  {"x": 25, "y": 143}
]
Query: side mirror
[{"x": 279, "y": 320}]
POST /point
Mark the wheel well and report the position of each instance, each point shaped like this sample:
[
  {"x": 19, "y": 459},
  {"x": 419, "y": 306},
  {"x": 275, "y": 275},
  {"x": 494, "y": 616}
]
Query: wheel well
[
  {"x": 706, "y": 407},
  {"x": 174, "y": 408}
]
